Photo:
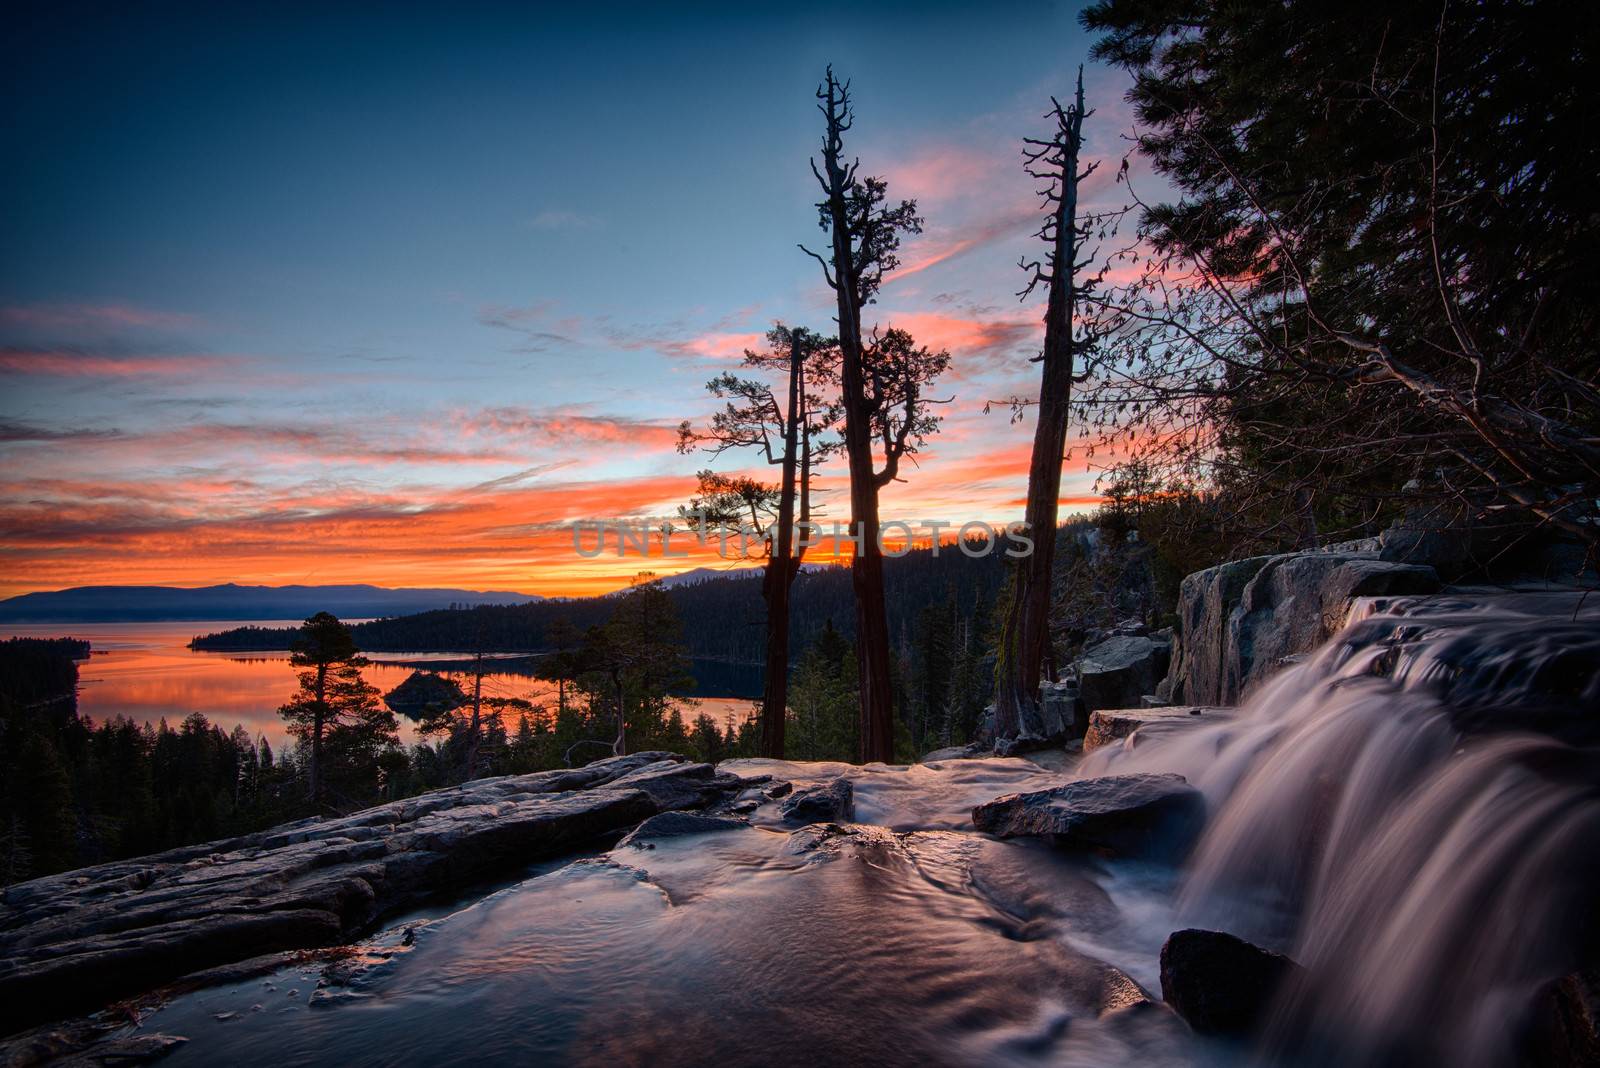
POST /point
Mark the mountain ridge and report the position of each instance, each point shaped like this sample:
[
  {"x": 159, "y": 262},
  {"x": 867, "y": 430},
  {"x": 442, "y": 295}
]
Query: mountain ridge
[{"x": 141, "y": 604}]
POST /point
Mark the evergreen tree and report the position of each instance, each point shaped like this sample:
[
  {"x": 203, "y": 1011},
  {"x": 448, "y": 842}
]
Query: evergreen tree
[
  {"x": 635, "y": 662},
  {"x": 1366, "y": 286},
  {"x": 335, "y": 709},
  {"x": 46, "y": 817}
]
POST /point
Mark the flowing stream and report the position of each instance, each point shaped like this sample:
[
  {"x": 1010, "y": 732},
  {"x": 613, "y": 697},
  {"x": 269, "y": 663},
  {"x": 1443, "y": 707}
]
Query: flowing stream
[{"x": 1374, "y": 812}]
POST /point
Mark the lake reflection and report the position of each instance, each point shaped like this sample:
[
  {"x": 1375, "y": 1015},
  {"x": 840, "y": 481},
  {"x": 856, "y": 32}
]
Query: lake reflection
[{"x": 146, "y": 672}]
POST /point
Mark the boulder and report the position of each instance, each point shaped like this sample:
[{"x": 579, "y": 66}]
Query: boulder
[
  {"x": 1461, "y": 551},
  {"x": 1124, "y": 815},
  {"x": 1221, "y": 984},
  {"x": 678, "y": 825},
  {"x": 1111, "y": 725},
  {"x": 1049, "y": 721},
  {"x": 1118, "y": 671},
  {"x": 1057, "y": 711},
  {"x": 76, "y": 941},
  {"x": 828, "y": 802},
  {"x": 1563, "y": 1029}
]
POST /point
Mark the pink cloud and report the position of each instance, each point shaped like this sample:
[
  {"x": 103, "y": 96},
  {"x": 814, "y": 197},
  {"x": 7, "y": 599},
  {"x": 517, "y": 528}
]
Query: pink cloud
[
  {"x": 942, "y": 172},
  {"x": 965, "y": 336},
  {"x": 715, "y": 344},
  {"x": 932, "y": 252}
]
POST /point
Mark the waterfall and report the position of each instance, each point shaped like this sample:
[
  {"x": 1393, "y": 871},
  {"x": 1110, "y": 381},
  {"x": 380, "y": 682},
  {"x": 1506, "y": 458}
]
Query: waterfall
[{"x": 1414, "y": 815}]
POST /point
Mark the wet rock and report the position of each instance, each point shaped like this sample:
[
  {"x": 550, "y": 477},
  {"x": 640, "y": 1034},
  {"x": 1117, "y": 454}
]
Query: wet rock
[
  {"x": 676, "y": 825},
  {"x": 1119, "y": 671},
  {"x": 828, "y": 802},
  {"x": 1119, "y": 993},
  {"x": 91, "y": 1041},
  {"x": 129, "y": 1049},
  {"x": 673, "y": 785},
  {"x": 1124, "y": 815},
  {"x": 1564, "y": 1026},
  {"x": 77, "y": 941},
  {"x": 1111, "y": 725},
  {"x": 1221, "y": 984}
]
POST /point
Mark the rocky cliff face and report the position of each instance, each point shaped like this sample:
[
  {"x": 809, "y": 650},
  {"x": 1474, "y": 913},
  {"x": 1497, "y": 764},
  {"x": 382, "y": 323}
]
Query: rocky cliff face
[{"x": 1241, "y": 621}]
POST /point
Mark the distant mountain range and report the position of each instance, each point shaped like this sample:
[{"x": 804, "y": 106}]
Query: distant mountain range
[{"x": 134, "y": 604}]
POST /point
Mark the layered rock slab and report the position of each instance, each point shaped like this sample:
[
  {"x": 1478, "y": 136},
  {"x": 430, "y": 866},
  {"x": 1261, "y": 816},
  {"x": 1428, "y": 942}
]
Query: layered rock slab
[
  {"x": 1112, "y": 725},
  {"x": 76, "y": 941}
]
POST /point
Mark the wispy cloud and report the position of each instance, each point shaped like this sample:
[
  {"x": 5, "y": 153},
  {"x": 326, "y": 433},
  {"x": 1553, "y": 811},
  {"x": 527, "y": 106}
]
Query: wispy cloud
[
  {"x": 544, "y": 329},
  {"x": 57, "y": 316},
  {"x": 72, "y": 363},
  {"x": 18, "y": 433}
]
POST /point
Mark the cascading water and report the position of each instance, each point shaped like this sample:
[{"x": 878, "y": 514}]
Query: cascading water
[
  {"x": 1373, "y": 813},
  {"x": 1386, "y": 815}
]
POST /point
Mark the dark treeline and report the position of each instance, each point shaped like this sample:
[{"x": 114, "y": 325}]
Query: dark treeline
[
  {"x": 728, "y": 613},
  {"x": 77, "y": 792}
]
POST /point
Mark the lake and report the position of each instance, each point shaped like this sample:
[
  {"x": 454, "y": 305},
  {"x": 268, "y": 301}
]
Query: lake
[{"x": 146, "y": 672}]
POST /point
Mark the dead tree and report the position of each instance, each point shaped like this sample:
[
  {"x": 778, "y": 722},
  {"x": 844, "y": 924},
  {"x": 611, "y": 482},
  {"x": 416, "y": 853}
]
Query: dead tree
[
  {"x": 865, "y": 234},
  {"x": 1025, "y": 648}
]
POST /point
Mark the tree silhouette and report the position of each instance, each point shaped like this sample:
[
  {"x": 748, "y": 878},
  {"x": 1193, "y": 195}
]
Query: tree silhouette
[
  {"x": 336, "y": 711},
  {"x": 637, "y": 659},
  {"x": 880, "y": 385},
  {"x": 783, "y": 433},
  {"x": 1025, "y": 650}
]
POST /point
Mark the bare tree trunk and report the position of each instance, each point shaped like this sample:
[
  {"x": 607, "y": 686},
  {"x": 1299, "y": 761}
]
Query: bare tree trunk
[
  {"x": 1026, "y": 635},
  {"x": 620, "y": 746},
  {"x": 318, "y": 723},
  {"x": 866, "y": 567},
  {"x": 477, "y": 716},
  {"x": 1303, "y": 500},
  {"x": 782, "y": 565}
]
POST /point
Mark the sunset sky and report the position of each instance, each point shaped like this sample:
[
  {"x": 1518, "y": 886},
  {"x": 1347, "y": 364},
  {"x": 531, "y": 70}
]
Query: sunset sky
[{"x": 391, "y": 296}]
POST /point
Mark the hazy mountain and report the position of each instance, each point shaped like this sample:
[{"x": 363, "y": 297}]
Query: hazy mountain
[{"x": 128, "y": 604}]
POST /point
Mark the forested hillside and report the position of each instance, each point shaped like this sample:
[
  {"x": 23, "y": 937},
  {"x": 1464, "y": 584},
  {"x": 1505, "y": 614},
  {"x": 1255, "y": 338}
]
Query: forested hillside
[{"x": 729, "y": 612}]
